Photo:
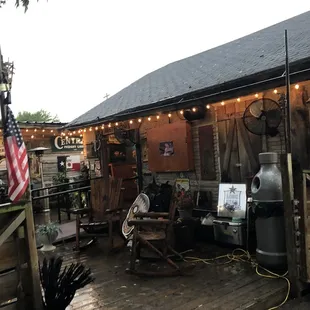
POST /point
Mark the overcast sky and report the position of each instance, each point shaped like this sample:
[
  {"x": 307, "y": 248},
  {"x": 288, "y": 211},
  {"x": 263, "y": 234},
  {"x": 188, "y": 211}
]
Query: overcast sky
[{"x": 69, "y": 53}]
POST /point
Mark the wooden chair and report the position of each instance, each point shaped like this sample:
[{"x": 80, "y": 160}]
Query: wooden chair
[
  {"x": 103, "y": 214},
  {"x": 153, "y": 228}
]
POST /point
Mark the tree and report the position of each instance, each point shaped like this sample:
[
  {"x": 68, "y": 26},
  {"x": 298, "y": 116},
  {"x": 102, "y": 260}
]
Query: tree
[
  {"x": 24, "y": 3},
  {"x": 39, "y": 116}
]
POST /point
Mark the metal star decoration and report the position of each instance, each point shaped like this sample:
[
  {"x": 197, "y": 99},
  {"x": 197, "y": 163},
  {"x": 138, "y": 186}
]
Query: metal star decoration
[{"x": 232, "y": 190}]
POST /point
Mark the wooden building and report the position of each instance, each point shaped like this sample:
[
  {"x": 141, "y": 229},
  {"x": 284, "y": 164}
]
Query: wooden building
[
  {"x": 59, "y": 145},
  {"x": 190, "y": 114}
]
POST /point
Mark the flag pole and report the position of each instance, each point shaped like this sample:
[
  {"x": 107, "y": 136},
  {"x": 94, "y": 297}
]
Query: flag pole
[{"x": 3, "y": 116}]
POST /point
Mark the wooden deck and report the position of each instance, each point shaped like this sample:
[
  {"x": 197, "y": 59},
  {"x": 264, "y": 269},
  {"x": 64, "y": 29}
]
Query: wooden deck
[{"x": 230, "y": 286}]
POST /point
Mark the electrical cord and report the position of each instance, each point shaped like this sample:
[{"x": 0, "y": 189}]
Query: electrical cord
[{"x": 244, "y": 257}]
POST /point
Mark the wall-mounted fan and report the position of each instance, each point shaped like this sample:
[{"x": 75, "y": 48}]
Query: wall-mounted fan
[
  {"x": 263, "y": 117},
  {"x": 126, "y": 137}
]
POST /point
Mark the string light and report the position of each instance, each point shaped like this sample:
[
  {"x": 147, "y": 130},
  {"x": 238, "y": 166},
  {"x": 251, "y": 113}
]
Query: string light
[
  {"x": 194, "y": 109},
  {"x": 35, "y": 130},
  {"x": 32, "y": 136},
  {"x": 27, "y": 130},
  {"x": 70, "y": 134},
  {"x": 43, "y": 130},
  {"x": 52, "y": 130},
  {"x": 81, "y": 135}
]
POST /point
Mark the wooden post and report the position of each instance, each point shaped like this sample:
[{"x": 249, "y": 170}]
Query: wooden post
[
  {"x": 139, "y": 161},
  {"x": 288, "y": 200},
  {"x": 33, "y": 258},
  {"x": 104, "y": 164}
]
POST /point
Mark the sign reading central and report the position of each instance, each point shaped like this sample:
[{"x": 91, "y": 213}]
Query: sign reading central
[{"x": 59, "y": 144}]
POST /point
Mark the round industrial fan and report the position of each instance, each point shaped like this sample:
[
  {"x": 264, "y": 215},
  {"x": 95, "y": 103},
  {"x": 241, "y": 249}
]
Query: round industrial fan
[
  {"x": 263, "y": 117},
  {"x": 141, "y": 204},
  {"x": 126, "y": 137}
]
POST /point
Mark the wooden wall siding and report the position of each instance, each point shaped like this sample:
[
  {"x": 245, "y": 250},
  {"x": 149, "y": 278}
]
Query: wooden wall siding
[
  {"x": 196, "y": 182},
  {"x": 206, "y": 151}
]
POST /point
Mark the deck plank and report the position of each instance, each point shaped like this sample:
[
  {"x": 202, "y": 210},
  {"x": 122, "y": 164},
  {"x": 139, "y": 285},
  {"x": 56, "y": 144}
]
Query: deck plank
[{"x": 232, "y": 286}]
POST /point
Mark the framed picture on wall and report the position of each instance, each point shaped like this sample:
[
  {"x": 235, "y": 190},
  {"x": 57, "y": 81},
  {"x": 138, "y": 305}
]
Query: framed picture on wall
[
  {"x": 232, "y": 200},
  {"x": 166, "y": 148}
]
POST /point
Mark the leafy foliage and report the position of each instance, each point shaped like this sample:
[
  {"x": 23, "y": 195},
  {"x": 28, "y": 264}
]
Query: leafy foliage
[
  {"x": 184, "y": 199},
  {"x": 59, "y": 287},
  {"x": 49, "y": 230},
  {"x": 39, "y": 116},
  {"x": 18, "y": 3}
]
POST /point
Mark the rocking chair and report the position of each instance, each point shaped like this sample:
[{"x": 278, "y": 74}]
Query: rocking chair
[
  {"x": 104, "y": 213},
  {"x": 151, "y": 229}
]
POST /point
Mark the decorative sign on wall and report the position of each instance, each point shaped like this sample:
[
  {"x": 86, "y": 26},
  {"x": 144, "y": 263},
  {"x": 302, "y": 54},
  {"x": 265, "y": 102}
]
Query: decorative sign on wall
[
  {"x": 166, "y": 148},
  {"x": 60, "y": 144},
  {"x": 232, "y": 200}
]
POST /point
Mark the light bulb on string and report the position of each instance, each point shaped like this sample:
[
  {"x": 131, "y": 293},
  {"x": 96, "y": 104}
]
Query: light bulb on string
[
  {"x": 32, "y": 136},
  {"x": 297, "y": 86},
  {"x": 222, "y": 103},
  {"x": 181, "y": 112},
  {"x": 74, "y": 132},
  {"x": 90, "y": 129},
  {"x": 169, "y": 115},
  {"x": 85, "y": 130},
  {"x": 52, "y": 130},
  {"x": 238, "y": 99},
  {"x": 116, "y": 124},
  {"x": 157, "y": 116},
  {"x": 139, "y": 120},
  {"x": 70, "y": 134},
  {"x": 275, "y": 91},
  {"x": 256, "y": 95},
  {"x": 43, "y": 130},
  {"x": 109, "y": 125},
  {"x": 194, "y": 109},
  {"x": 130, "y": 122},
  {"x": 35, "y": 130},
  {"x": 208, "y": 106},
  {"x": 96, "y": 128},
  {"x": 149, "y": 118},
  {"x": 27, "y": 130}
]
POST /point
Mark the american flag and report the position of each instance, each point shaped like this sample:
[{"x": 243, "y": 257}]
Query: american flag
[{"x": 16, "y": 157}]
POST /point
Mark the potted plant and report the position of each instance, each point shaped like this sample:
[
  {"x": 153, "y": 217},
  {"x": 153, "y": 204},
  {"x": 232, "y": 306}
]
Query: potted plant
[
  {"x": 48, "y": 234},
  {"x": 184, "y": 203}
]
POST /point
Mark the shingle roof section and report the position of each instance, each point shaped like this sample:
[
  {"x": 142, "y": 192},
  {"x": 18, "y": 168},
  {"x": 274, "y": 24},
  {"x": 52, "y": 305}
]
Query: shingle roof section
[{"x": 255, "y": 53}]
